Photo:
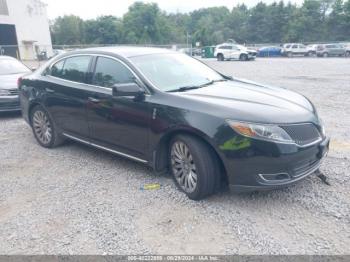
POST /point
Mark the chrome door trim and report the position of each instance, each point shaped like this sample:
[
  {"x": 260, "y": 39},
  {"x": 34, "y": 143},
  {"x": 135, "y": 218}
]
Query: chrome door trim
[
  {"x": 105, "y": 148},
  {"x": 91, "y": 85}
]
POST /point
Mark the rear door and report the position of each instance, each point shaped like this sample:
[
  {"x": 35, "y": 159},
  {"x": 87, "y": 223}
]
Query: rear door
[
  {"x": 66, "y": 92},
  {"x": 235, "y": 53},
  {"x": 118, "y": 123}
]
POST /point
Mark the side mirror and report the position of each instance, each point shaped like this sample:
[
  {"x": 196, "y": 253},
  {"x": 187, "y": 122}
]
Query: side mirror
[
  {"x": 33, "y": 69},
  {"x": 129, "y": 89}
]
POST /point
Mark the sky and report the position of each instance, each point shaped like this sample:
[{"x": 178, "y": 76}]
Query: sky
[{"x": 87, "y": 9}]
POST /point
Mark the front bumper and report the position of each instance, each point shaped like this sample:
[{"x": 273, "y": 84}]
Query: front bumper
[
  {"x": 252, "y": 55},
  {"x": 266, "y": 166},
  {"x": 9, "y": 103}
]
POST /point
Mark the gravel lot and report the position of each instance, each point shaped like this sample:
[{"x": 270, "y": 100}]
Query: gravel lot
[{"x": 78, "y": 200}]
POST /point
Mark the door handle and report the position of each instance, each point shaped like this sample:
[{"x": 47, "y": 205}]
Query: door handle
[
  {"x": 49, "y": 90},
  {"x": 93, "y": 100}
]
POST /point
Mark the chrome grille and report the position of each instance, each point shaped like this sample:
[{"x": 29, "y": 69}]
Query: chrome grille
[
  {"x": 14, "y": 92},
  {"x": 303, "y": 134}
]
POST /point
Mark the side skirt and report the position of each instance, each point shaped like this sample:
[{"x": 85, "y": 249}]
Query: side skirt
[{"x": 105, "y": 148}]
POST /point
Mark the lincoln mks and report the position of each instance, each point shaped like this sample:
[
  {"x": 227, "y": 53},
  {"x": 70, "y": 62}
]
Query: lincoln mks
[{"x": 177, "y": 115}]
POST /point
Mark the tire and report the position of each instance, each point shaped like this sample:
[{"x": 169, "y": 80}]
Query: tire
[
  {"x": 289, "y": 54},
  {"x": 44, "y": 129},
  {"x": 243, "y": 57},
  {"x": 325, "y": 54},
  {"x": 347, "y": 54},
  {"x": 199, "y": 165},
  {"x": 220, "y": 57}
]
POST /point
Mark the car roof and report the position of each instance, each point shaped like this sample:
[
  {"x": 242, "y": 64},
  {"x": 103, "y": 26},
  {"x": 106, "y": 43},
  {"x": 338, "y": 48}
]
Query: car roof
[{"x": 128, "y": 51}]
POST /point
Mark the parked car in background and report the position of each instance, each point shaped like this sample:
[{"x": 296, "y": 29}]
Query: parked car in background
[
  {"x": 196, "y": 51},
  {"x": 10, "y": 71},
  {"x": 347, "y": 49},
  {"x": 331, "y": 50},
  {"x": 269, "y": 51},
  {"x": 229, "y": 51},
  {"x": 174, "y": 113},
  {"x": 294, "y": 49},
  {"x": 311, "y": 49}
]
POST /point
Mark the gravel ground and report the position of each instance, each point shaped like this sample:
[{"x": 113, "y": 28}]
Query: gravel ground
[{"x": 77, "y": 200}]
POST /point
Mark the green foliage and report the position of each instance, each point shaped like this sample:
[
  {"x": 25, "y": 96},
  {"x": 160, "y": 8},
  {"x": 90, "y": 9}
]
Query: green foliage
[
  {"x": 68, "y": 30},
  {"x": 144, "y": 23}
]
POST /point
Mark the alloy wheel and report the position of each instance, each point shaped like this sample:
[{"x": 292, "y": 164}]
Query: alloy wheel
[
  {"x": 42, "y": 127},
  {"x": 183, "y": 167}
]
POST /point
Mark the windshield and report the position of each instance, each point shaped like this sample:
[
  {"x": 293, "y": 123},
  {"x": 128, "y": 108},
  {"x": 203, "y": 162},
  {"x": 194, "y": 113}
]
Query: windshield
[
  {"x": 12, "y": 66},
  {"x": 169, "y": 72}
]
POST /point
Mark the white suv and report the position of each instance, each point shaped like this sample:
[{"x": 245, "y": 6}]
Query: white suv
[
  {"x": 294, "y": 49},
  {"x": 228, "y": 51}
]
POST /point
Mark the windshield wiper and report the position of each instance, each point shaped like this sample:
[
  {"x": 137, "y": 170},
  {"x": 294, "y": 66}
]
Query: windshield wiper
[{"x": 185, "y": 88}]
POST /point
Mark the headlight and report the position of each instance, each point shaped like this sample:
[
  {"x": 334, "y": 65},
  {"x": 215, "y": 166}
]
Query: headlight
[
  {"x": 4, "y": 92},
  {"x": 261, "y": 131}
]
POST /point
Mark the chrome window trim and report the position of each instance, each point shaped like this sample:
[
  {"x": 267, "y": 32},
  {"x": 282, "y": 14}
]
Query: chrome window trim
[
  {"x": 96, "y": 55},
  {"x": 105, "y": 148}
]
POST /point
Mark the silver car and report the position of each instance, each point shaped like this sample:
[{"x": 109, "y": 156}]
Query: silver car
[
  {"x": 10, "y": 71},
  {"x": 330, "y": 50}
]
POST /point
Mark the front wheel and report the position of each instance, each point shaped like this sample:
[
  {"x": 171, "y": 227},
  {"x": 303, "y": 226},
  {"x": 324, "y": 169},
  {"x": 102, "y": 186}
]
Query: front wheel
[
  {"x": 325, "y": 55},
  {"x": 220, "y": 57},
  {"x": 194, "y": 167},
  {"x": 243, "y": 57},
  {"x": 347, "y": 54},
  {"x": 44, "y": 129}
]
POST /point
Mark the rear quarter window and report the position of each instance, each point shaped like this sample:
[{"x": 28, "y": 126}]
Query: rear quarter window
[
  {"x": 56, "y": 69},
  {"x": 75, "y": 68}
]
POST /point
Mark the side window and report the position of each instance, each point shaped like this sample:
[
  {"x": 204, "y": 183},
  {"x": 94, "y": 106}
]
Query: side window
[
  {"x": 109, "y": 72},
  {"x": 75, "y": 68},
  {"x": 56, "y": 69},
  {"x": 225, "y": 47},
  {"x": 294, "y": 46}
]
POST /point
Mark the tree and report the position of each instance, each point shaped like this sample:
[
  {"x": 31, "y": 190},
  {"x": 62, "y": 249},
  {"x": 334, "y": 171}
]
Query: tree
[
  {"x": 143, "y": 24},
  {"x": 68, "y": 30},
  {"x": 104, "y": 30}
]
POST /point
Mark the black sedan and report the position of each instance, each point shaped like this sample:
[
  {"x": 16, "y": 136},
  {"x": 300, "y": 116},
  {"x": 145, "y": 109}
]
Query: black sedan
[{"x": 174, "y": 113}]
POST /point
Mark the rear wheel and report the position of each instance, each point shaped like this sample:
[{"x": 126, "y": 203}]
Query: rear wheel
[
  {"x": 44, "y": 129},
  {"x": 243, "y": 57},
  {"x": 347, "y": 54},
  {"x": 220, "y": 57},
  {"x": 194, "y": 167}
]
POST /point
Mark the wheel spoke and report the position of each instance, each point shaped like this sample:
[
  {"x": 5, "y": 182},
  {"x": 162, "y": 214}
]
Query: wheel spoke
[
  {"x": 42, "y": 127},
  {"x": 183, "y": 166}
]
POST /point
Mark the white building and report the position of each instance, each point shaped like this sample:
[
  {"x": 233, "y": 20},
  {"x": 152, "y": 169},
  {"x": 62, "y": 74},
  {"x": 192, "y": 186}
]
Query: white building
[{"x": 24, "y": 29}]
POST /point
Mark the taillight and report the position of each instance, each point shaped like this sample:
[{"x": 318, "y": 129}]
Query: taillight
[{"x": 19, "y": 82}]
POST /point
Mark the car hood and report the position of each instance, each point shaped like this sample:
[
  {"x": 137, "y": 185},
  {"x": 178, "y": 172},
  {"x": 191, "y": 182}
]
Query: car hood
[
  {"x": 249, "y": 101},
  {"x": 10, "y": 81}
]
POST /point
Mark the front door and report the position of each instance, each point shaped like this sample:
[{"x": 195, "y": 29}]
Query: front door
[{"x": 119, "y": 123}]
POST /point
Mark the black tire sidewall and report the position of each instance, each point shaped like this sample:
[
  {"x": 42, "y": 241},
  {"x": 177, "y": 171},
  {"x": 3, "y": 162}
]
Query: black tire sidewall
[
  {"x": 243, "y": 57},
  {"x": 220, "y": 57}
]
